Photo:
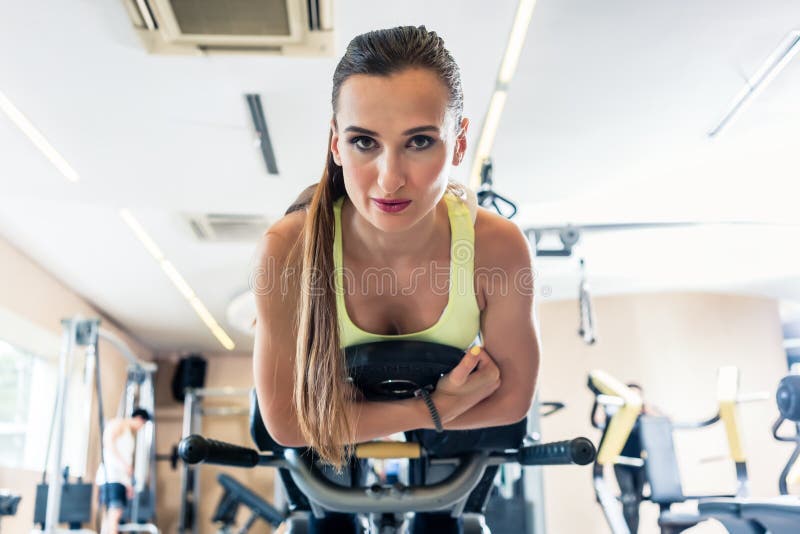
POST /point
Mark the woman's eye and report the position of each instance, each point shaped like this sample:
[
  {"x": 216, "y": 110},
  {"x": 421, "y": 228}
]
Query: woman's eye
[
  {"x": 421, "y": 141},
  {"x": 363, "y": 143}
]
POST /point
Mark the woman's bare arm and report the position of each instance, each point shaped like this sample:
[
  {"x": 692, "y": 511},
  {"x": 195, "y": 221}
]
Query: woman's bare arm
[{"x": 507, "y": 327}]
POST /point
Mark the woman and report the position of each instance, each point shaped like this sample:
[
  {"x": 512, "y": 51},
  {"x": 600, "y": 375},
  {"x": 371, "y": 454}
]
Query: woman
[{"x": 384, "y": 209}]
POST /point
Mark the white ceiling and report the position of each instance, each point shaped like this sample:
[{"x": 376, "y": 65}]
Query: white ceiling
[{"x": 606, "y": 121}]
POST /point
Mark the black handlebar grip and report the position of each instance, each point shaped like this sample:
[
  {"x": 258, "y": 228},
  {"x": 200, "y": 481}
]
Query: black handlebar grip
[
  {"x": 195, "y": 449},
  {"x": 578, "y": 451}
]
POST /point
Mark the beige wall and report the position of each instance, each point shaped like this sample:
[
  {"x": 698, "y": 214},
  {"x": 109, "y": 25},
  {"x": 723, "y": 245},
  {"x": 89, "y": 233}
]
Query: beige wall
[
  {"x": 672, "y": 344},
  {"x": 224, "y": 370},
  {"x": 31, "y": 293}
]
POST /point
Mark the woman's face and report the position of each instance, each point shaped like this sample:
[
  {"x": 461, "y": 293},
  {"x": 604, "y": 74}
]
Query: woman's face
[{"x": 395, "y": 139}]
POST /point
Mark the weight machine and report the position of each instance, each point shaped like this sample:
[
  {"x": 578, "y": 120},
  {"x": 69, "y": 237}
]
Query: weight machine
[{"x": 58, "y": 500}]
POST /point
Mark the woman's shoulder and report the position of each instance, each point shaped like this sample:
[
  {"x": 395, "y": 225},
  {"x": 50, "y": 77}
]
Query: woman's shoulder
[
  {"x": 278, "y": 241},
  {"x": 499, "y": 242}
]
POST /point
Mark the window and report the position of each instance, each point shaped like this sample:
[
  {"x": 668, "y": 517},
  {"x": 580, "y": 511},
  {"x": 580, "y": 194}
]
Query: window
[
  {"x": 16, "y": 370},
  {"x": 29, "y": 378}
]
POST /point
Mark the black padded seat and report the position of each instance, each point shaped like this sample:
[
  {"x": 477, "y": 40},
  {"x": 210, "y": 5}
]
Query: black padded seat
[{"x": 780, "y": 515}]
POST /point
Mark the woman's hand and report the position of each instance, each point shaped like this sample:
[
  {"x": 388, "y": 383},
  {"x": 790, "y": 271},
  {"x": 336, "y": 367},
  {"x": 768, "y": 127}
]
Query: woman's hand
[{"x": 461, "y": 389}]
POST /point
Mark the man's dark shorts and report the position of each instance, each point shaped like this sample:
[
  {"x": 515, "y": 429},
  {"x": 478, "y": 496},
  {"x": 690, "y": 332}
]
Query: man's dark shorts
[{"x": 113, "y": 495}]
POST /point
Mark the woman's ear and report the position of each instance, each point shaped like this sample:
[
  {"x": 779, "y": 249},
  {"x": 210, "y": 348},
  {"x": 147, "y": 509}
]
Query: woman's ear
[
  {"x": 461, "y": 142},
  {"x": 335, "y": 144}
]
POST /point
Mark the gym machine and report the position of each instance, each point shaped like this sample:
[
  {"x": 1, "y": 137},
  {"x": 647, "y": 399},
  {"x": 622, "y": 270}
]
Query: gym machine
[
  {"x": 623, "y": 408},
  {"x": 193, "y": 412},
  {"x": 777, "y": 515},
  {"x": 236, "y": 495},
  {"x": 57, "y": 499},
  {"x": 8, "y": 504}
]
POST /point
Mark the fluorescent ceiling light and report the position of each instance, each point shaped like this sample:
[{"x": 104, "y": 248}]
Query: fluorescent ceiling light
[
  {"x": 490, "y": 125},
  {"x": 516, "y": 40},
  {"x": 37, "y": 138},
  {"x": 771, "y": 67},
  {"x": 177, "y": 280},
  {"x": 508, "y": 67}
]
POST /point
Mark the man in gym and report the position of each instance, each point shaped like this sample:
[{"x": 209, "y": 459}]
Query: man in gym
[{"x": 115, "y": 475}]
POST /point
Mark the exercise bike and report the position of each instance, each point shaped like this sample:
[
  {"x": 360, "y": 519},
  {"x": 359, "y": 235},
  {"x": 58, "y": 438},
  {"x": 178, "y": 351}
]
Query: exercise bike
[{"x": 457, "y": 483}]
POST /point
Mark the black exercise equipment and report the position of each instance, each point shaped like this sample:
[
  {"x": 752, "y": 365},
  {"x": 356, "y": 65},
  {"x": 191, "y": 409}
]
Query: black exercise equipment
[
  {"x": 237, "y": 494},
  {"x": 190, "y": 373},
  {"x": 8, "y": 504},
  {"x": 75, "y": 507},
  {"x": 489, "y": 198},
  {"x": 172, "y": 457},
  {"x": 788, "y": 400},
  {"x": 394, "y": 371},
  {"x": 459, "y": 484}
]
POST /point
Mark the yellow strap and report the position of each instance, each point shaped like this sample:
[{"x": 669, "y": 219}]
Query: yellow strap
[
  {"x": 727, "y": 391},
  {"x": 388, "y": 449},
  {"x": 618, "y": 429}
]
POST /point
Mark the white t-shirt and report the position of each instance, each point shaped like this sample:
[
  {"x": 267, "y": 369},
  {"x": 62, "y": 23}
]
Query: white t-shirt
[{"x": 115, "y": 471}]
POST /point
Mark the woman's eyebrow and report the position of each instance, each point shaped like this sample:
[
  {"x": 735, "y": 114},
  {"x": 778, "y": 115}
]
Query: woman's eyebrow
[{"x": 412, "y": 131}]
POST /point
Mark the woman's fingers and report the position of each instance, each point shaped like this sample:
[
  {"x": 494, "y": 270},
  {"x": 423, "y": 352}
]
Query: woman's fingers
[
  {"x": 461, "y": 388},
  {"x": 461, "y": 372}
]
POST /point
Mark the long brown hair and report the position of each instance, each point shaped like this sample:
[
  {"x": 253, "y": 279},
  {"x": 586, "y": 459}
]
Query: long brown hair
[{"x": 321, "y": 391}]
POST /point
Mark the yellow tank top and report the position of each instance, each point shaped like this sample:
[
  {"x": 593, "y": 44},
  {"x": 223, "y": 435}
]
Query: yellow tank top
[{"x": 459, "y": 324}]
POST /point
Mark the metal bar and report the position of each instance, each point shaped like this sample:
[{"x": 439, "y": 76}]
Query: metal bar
[
  {"x": 533, "y": 478},
  {"x": 54, "y": 472},
  {"x": 219, "y": 392},
  {"x": 127, "y": 352},
  {"x": 440, "y": 496},
  {"x": 759, "y": 81},
  {"x": 197, "y": 427},
  {"x": 149, "y": 403},
  {"x": 188, "y": 409},
  {"x": 224, "y": 411},
  {"x": 610, "y": 505}
]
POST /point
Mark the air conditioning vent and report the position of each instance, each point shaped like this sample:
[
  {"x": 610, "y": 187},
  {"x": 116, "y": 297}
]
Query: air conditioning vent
[
  {"x": 274, "y": 27},
  {"x": 227, "y": 226}
]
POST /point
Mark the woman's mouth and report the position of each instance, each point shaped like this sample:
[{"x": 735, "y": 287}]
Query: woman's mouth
[{"x": 391, "y": 206}]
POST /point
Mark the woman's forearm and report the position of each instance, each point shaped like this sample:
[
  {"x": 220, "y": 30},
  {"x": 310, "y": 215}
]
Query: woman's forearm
[
  {"x": 494, "y": 410},
  {"x": 376, "y": 420},
  {"x": 372, "y": 420}
]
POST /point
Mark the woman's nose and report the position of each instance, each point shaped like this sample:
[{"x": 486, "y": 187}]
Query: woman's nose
[{"x": 391, "y": 175}]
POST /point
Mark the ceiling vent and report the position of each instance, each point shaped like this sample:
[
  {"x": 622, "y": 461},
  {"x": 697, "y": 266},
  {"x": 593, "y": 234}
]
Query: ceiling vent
[
  {"x": 274, "y": 27},
  {"x": 227, "y": 226}
]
